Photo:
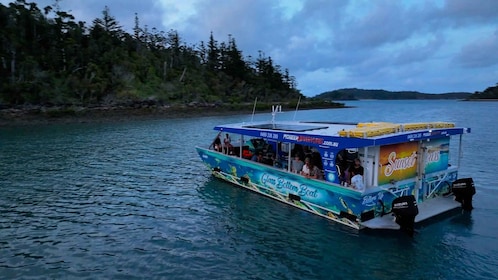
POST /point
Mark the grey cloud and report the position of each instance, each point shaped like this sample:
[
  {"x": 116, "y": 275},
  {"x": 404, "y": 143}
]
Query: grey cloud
[
  {"x": 480, "y": 53},
  {"x": 475, "y": 10}
]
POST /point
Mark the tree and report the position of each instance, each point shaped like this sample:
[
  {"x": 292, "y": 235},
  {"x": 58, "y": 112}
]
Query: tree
[{"x": 46, "y": 57}]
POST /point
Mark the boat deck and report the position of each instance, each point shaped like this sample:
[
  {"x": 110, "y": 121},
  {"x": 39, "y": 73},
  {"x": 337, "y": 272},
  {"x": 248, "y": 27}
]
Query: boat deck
[{"x": 426, "y": 209}]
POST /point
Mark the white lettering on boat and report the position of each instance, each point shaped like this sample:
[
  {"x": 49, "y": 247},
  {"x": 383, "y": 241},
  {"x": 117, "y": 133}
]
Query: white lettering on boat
[
  {"x": 414, "y": 136},
  {"x": 371, "y": 200},
  {"x": 402, "y": 204},
  {"x": 432, "y": 157},
  {"x": 291, "y": 137},
  {"x": 268, "y": 135},
  {"x": 288, "y": 186},
  {"x": 399, "y": 163},
  {"x": 330, "y": 143}
]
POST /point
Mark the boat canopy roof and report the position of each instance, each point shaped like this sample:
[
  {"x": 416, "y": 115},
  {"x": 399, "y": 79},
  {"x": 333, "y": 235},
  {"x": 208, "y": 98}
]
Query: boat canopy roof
[{"x": 344, "y": 135}]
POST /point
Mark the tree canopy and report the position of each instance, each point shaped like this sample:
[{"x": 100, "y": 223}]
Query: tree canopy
[
  {"x": 47, "y": 57},
  {"x": 489, "y": 93}
]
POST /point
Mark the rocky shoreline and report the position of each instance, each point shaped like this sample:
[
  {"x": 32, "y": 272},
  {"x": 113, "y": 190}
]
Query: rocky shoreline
[{"x": 37, "y": 114}]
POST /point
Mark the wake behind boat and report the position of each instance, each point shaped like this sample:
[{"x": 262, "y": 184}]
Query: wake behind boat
[{"x": 365, "y": 175}]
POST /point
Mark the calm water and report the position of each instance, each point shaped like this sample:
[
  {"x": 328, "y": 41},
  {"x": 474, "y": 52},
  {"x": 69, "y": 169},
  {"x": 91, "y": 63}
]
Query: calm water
[{"x": 132, "y": 200}]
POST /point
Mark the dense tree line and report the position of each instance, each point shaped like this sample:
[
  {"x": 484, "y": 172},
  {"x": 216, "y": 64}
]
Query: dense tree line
[
  {"x": 47, "y": 57},
  {"x": 489, "y": 93}
]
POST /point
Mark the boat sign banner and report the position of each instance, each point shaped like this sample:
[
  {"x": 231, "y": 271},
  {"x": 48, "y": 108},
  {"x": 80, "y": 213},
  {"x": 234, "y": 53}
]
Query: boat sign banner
[
  {"x": 398, "y": 162},
  {"x": 436, "y": 155}
]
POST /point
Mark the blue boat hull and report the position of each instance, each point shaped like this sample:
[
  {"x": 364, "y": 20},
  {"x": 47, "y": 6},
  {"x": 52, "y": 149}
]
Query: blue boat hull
[{"x": 332, "y": 201}]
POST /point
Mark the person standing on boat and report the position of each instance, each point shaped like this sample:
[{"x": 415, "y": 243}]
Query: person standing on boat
[
  {"x": 297, "y": 164},
  {"x": 217, "y": 144},
  {"x": 227, "y": 142},
  {"x": 309, "y": 170}
]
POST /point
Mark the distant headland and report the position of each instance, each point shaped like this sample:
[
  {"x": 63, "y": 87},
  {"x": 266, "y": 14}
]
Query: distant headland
[{"x": 490, "y": 93}]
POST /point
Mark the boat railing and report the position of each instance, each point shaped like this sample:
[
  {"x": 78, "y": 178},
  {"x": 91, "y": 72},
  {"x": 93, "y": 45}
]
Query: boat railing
[
  {"x": 437, "y": 182},
  {"x": 396, "y": 191}
]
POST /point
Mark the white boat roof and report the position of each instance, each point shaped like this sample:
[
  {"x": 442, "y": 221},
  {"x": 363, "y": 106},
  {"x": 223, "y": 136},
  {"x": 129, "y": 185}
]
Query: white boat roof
[{"x": 345, "y": 135}]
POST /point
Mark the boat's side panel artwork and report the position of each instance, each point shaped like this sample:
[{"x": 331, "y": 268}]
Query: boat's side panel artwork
[
  {"x": 338, "y": 203},
  {"x": 436, "y": 155},
  {"x": 397, "y": 162}
]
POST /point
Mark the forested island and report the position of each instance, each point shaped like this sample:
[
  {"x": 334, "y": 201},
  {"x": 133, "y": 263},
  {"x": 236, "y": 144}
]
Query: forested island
[
  {"x": 491, "y": 93},
  {"x": 52, "y": 65},
  {"x": 356, "y": 94}
]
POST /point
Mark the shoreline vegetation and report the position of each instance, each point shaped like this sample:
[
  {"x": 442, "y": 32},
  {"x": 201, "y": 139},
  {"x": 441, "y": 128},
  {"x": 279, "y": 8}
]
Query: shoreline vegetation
[{"x": 36, "y": 114}]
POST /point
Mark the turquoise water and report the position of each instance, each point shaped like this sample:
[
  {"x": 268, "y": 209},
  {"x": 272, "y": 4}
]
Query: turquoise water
[{"x": 132, "y": 200}]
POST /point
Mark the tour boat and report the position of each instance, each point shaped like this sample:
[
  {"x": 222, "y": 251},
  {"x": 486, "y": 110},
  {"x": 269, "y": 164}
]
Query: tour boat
[{"x": 407, "y": 176}]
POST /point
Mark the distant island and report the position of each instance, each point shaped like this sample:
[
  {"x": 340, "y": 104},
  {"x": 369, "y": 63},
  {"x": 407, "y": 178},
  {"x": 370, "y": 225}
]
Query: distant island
[
  {"x": 379, "y": 94},
  {"x": 491, "y": 93}
]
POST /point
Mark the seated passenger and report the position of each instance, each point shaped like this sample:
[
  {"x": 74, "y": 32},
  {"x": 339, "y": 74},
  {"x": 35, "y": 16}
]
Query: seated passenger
[
  {"x": 357, "y": 183},
  {"x": 257, "y": 157},
  {"x": 355, "y": 169},
  {"x": 297, "y": 164},
  {"x": 309, "y": 170}
]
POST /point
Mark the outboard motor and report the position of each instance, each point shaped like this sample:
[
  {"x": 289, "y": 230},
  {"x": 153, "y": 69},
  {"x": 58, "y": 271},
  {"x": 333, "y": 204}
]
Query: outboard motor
[
  {"x": 405, "y": 209},
  {"x": 464, "y": 189}
]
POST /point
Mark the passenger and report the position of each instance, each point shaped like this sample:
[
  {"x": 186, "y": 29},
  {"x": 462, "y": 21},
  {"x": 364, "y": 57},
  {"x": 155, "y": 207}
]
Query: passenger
[
  {"x": 355, "y": 169},
  {"x": 271, "y": 161},
  {"x": 217, "y": 144},
  {"x": 309, "y": 170},
  {"x": 342, "y": 167},
  {"x": 297, "y": 164},
  {"x": 357, "y": 183},
  {"x": 228, "y": 144},
  {"x": 258, "y": 157}
]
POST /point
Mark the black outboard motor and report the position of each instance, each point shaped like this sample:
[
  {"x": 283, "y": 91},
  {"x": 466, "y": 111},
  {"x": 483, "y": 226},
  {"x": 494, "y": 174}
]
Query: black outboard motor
[
  {"x": 464, "y": 189},
  {"x": 405, "y": 209}
]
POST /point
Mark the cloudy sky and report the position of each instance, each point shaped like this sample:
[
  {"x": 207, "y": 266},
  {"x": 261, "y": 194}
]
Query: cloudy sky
[{"x": 431, "y": 46}]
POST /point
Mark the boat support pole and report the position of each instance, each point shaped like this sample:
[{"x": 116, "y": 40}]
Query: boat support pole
[
  {"x": 289, "y": 159},
  {"x": 365, "y": 159},
  {"x": 376, "y": 165},
  {"x": 297, "y": 107},
  {"x": 254, "y": 109},
  {"x": 241, "y": 145}
]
